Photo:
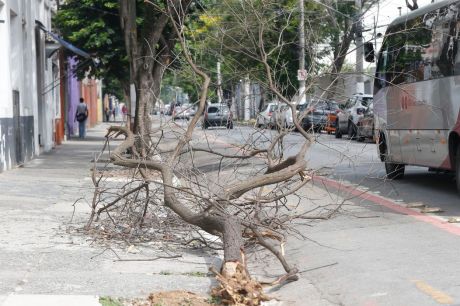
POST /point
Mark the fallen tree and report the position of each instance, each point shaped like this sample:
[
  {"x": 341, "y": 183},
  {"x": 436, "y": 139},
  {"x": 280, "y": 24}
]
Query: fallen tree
[{"x": 243, "y": 205}]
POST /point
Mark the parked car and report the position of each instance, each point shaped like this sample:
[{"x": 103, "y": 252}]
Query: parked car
[
  {"x": 354, "y": 109},
  {"x": 185, "y": 111},
  {"x": 189, "y": 111},
  {"x": 331, "y": 122},
  {"x": 178, "y": 112},
  {"x": 263, "y": 118},
  {"x": 314, "y": 115},
  {"x": 164, "y": 109},
  {"x": 217, "y": 115},
  {"x": 170, "y": 109},
  {"x": 365, "y": 125},
  {"x": 279, "y": 117}
]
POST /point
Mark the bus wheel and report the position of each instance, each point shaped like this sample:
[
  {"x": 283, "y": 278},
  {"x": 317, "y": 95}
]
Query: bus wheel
[
  {"x": 394, "y": 171},
  {"x": 457, "y": 166}
]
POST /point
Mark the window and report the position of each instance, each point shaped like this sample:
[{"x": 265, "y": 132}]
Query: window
[
  {"x": 212, "y": 110},
  {"x": 301, "y": 107},
  {"x": 421, "y": 49},
  {"x": 333, "y": 106},
  {"x": 366, "y": 101},
  {"x": 273, "y": 108}
]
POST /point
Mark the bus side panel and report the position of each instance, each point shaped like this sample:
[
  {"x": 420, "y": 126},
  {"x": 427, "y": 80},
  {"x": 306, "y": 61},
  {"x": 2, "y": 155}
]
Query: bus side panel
[{"x": 423, "y": 113}]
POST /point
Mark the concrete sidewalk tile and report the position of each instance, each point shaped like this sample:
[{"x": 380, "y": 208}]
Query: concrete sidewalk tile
[{"x": 51, "y": 300}]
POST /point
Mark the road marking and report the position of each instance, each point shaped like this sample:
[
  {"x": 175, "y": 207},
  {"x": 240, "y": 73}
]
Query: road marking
[{"x": 437, "y": 295}]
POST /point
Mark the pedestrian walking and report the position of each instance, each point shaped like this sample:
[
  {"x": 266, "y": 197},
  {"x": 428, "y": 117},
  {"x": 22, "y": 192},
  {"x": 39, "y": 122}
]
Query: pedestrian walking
[
  {"x": 81, "y": 115},
  {"x": 107, "y": 113}
]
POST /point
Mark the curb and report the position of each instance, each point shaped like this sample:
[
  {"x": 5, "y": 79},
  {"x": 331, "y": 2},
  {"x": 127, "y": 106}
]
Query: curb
[{"x": 51, "y": 300}]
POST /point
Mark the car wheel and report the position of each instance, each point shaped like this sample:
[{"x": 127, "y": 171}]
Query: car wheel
[
  {"x": 457, "y": 170},
  {"x": 338, "y": 133},
  {"x": 351, "y": 130},
  {"x": 394, "y": 171},
  {"x": 306, "y": 126}
]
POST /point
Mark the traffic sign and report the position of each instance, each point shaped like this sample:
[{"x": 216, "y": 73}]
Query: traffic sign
[{"x": 301, "y": 75}]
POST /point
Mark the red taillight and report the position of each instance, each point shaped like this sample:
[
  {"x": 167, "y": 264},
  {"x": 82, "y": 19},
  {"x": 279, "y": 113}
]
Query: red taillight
[
  {"x": 206, "y": 115},
  {"x": 269, "y": 114}
]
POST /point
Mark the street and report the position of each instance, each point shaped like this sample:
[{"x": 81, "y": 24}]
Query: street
[
  {"x": 378, "y": 251},
  {"x": 357, "y": 163},
  {"x": 170, "y": 153},
  {"x": 375, "y": 251}
]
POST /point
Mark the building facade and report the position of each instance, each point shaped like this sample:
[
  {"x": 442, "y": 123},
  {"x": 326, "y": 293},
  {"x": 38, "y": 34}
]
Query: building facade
[
  {"x": 29, "y": 101},
  {"x": 38, "y": 93}
]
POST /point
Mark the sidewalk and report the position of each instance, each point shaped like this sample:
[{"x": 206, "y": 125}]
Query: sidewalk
[{"x": 39, "y": 257}]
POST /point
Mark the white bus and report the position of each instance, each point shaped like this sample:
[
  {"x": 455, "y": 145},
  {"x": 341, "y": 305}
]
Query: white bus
[{"x": 417, "y": 91}]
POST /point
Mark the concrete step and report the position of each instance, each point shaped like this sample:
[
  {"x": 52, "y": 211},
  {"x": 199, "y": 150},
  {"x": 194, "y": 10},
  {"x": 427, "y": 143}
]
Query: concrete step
[{"x": 49, "y": 300}]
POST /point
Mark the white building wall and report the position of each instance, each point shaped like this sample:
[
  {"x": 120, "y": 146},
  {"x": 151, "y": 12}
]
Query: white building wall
[{"x": 18, "y": 62}]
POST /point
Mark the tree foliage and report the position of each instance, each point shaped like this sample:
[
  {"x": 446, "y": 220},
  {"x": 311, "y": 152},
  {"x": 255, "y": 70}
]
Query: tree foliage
[{"x": 94, "y": 26}]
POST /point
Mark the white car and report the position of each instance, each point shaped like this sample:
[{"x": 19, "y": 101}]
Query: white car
[
  {"x": 281, "y": 118},
  {"x": 353, "y": 111},
  {"x": 263, "y": 118}
]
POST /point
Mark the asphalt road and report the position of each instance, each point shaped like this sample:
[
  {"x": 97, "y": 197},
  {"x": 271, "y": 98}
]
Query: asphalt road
[
  {"x": 357, "y": 163},
  {"x": 378, "y": 251}
]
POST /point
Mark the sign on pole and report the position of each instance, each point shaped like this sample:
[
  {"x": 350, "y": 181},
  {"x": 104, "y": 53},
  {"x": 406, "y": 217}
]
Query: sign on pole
[{"x": 301, "y": 75}]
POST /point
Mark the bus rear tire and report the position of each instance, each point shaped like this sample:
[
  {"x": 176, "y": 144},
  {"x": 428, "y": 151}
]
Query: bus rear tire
[{"x": 394, "y": 171}]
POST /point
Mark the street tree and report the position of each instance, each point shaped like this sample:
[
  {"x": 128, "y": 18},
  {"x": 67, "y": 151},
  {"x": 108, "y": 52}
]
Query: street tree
[
  {"x": 94, "y": 26},
  {"x": 239, "y": 193}
]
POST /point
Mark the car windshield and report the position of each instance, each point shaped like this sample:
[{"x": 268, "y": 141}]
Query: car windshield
[
  {"x": 301, "y": 107},
  {"x": 218, "y": 108},
  {"x": 283, "y": 108},
  {"x": 333, "y": 106},
  {"x": 366, "y": 101},
  {"x": 318, "y": 104}
]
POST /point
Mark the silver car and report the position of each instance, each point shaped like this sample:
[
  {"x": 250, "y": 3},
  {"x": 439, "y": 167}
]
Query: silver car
[
  {"x": 217, "y": 115},
  {"x": 263, "y": 118},
  {"x": 189, "y": 110},
  {"x": 354, "y": 109}
]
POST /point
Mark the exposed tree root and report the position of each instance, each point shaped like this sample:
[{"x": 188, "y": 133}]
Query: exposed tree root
[{"x": 237, "y": 287}]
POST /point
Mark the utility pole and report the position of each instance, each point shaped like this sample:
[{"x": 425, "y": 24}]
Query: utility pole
[
  {"x": 359, "y": 47},
  {"x": 247, "y": 98},
  {"x": 219, "y": 84},
  {"x": 301, "y": 75}
]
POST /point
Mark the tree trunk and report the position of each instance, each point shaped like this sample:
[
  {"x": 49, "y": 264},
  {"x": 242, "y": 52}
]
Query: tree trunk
[{"x": 340, "y": 54}]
